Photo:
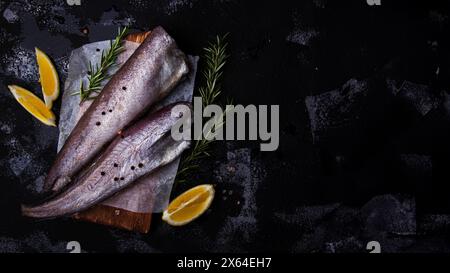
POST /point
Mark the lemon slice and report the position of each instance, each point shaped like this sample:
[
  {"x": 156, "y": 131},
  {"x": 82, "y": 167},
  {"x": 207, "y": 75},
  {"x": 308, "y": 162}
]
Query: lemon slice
[
  {"x": 48, "y": 78},
  {"x": 189, "y": 205},
  {"x": 33, "y": 105}
]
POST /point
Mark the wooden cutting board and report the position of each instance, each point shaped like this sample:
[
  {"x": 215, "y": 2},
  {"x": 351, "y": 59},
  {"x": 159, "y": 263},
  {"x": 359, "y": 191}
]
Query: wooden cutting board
[{"x": 117, "y": 217}]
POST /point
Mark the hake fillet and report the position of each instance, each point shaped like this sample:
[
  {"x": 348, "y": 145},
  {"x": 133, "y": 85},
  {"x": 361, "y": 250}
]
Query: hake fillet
[
  {"x": 137, "y": 152},
  {"x": 147, "y": 76}
]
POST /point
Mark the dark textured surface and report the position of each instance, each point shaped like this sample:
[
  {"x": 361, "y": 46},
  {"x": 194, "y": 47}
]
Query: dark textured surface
[{"x": 365, "y": 110}]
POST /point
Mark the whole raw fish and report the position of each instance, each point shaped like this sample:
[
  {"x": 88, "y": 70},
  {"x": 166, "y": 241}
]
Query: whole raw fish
[
  {"x": 147, "y": 76},
  {"x": 138, "y": 151}
]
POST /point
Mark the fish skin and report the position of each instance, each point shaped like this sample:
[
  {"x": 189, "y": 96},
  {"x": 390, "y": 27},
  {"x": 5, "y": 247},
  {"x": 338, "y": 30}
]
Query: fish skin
[
  {"x": 148, "y": 142},
  {"x": 148, "y": 75}
]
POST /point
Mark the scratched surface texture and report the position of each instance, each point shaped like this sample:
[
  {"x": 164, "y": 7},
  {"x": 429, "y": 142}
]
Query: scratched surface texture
[{"x": 364, "y": 124}]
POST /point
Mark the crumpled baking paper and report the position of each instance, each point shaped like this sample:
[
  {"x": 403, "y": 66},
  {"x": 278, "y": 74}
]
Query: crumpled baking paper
[{"x": 151, "y": 193}]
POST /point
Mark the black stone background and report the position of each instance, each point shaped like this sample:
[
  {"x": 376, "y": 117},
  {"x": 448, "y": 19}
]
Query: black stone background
[{"x": 379, "y": 172}]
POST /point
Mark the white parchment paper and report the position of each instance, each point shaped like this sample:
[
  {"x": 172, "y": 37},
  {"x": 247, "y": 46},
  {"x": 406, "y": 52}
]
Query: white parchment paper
[{"x": 150, "y": 193}]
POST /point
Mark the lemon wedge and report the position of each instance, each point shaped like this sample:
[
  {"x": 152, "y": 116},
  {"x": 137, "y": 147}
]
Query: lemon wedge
[
  {"x": 48, "y": 77},
  {"x": 33, "y": 104},
  {"x": 189, "y": 205}
]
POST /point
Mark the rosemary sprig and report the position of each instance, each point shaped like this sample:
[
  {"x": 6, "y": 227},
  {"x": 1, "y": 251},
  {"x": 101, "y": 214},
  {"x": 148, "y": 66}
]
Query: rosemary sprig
[
  {"x": 215, "y": 59},
  {"x": 98, "y": 73}
]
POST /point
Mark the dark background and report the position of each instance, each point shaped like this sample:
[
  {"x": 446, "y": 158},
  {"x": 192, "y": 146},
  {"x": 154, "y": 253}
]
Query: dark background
[{"x": 374, "y": 166}]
